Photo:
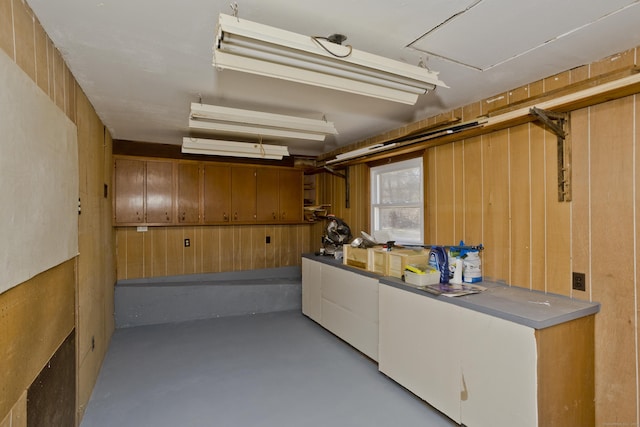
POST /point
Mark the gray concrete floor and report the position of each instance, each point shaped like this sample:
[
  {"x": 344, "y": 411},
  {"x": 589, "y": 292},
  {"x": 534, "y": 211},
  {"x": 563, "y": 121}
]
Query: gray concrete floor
[{"x": 266, "y": 370}]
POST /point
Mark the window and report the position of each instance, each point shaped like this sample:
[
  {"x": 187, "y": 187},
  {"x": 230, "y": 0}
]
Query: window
[{"x": 397, "y": 202}]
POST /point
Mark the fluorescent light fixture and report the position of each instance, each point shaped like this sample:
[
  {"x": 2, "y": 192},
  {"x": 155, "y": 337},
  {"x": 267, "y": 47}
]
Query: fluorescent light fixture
[
  {"x": 361, "y": 152},
  {"x": 250, "y": 47},
  {"x": 214, "y": 147},
  {"x": 235, "y": 120}
]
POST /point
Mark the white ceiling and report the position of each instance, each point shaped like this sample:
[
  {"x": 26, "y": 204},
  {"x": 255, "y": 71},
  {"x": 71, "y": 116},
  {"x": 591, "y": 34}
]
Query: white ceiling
[{"x": 142, "y": 62}]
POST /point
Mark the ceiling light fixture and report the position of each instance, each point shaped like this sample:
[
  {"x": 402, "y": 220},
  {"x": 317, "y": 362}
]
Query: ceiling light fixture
[
  {"x": 250, "y": 47},
  {"x": 214, "y": 147},
  {"x": 237, "y": 121}
]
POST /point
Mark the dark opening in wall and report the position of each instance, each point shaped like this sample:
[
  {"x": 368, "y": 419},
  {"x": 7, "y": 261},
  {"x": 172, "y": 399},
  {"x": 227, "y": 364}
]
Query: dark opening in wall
[{"x": 52, "y": 395}]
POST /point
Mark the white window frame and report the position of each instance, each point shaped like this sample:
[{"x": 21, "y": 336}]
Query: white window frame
[{"x": 375, "y": 173}]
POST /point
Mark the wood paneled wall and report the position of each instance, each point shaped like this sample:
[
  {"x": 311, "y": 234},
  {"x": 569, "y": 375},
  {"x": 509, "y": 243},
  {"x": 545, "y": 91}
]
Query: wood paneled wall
[
  {"x": 500, "y": 189},
  {"x": 89, "y": 279},
  {"x": 160, "y": 251},
  {"x": 332, "y": 189}
]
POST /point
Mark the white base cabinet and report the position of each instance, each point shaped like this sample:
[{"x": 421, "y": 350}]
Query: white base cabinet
[
  {"x": 312, "y": 289},
  {"x": 481, "y": 370},
  {"x": 477, "y": 369},
  {"x": 344, "y": 302}
]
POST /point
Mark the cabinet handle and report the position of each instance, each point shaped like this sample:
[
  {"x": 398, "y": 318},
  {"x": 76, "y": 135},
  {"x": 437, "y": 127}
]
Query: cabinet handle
[
  {"x": 225, "y": 217},
  {"x": 284, "y": 215},
  {"x": 235, "y": 216},
  {"x": 184, "y": 215},
  {"x": 275, "y": 216},
  {"x": 167, "y": 215}
]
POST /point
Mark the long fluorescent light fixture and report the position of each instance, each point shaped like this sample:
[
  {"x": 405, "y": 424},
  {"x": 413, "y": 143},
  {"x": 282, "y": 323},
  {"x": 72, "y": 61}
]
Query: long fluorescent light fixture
[
  {"x": 214, "y": 147},
  {"x": 361, "y": 152},
  {"x": 250, "y": 47},
  {"x": 235, "y": 120}
]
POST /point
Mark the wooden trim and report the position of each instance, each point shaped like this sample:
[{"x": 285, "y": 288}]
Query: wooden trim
[
  {"x": 605, "y": 92},
  {"x": 170, "y": 151},
  {"x": 566, "y": 374}
]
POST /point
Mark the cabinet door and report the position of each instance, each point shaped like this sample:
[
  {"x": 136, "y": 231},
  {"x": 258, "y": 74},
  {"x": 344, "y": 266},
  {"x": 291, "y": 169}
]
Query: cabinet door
[
  {"x": 217, "y": 194},
  {"x": 159, "y": 192},
  {"x": 188, "y": 193},
  {"x": 243, "y": 194},
  {"x": 291, "y": 195},
  {"x": 129, "y": 191},
  {"x": 312, "y": 289},
  {"x": 499, "y": 371},
  {"x": 419, "y": 347},
  {"x": 350, "y": 308},
  {"x": 267, "y": 184}
]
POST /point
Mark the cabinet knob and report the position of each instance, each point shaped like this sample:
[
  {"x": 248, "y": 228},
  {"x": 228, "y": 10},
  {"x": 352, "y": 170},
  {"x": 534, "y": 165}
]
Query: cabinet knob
[
  {"x": 225, "y": 217},
  {"x": 284, "y": 215},
  {"x": 235, "y": 215}
]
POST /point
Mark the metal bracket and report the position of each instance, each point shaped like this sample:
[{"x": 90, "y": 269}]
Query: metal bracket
[{"x": 557, "y": 123}]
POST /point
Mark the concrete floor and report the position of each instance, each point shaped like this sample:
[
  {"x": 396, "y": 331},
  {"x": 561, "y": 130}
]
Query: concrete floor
[{"x": 266, "y": 370}]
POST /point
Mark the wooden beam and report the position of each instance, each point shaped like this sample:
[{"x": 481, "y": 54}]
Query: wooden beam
[{"x": 605, "y": 92}]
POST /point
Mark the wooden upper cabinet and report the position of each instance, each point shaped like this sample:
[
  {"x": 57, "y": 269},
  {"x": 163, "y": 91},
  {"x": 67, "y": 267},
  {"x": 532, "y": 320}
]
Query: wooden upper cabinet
[
  {"x": 184, "y": 192},
  {"x": 216, "y": 194},
  {"x": 279, "y": 195},
  {"x": 129, "y": 191},
  {"x": 243, "y": 194},
  {"x": 291, "y": 195},
  {"x": 268, "y": 209},
  {"x": 188, "y": 193},
  {"x": 159, "y": 192}
]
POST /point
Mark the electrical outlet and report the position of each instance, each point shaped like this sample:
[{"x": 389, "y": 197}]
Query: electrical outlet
[
  {"x": 579, "y": 282},
  {"x": 268, "y": 239},
  {"x": 187, "y": 243}
]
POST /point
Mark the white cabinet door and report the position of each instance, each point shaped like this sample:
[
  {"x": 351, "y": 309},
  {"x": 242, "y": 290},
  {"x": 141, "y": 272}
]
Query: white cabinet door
[
  {"x": 350, "y": 308},
  {"x": 312, "y": 289},
  {"x": 419, "y": 347},
  {"x": 499, "y": 372}
]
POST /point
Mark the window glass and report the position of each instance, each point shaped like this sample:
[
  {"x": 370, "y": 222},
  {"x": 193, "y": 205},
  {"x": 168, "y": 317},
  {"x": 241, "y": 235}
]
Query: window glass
[{"x": 397, "y": 202}]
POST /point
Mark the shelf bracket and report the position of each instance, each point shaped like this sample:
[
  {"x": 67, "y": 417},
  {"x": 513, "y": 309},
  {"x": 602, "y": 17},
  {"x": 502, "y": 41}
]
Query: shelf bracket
[{"x": 557, "y": 123}]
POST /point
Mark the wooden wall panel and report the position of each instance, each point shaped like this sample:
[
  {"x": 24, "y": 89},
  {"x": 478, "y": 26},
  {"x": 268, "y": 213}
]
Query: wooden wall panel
[
  {"x": 17, "y": 417},
  {"x": 473, "y": 195},
  {"x": 35, "y": 319},
  {"x": 558, "y": 222},
  {"x": 458, "y": 192},
  {"x": 538, "y": 207},
  {"x": 580, "y": 199},
  {"x": 96, "y": 267},
  {"x": 612, "y": 270},
  {"x": 23, "y": 25},
  {"x": 520, "y": 205},
  {"x": 42, "y": 64},
  {"x": 444, "y": 192},
  {"x": 6, "y": 28},
  {"x": 213, "y": 249},
  {"x": 496, "y": 262}
]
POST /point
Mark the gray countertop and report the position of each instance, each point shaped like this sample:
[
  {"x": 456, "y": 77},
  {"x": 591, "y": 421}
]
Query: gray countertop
[{"x": 534, "y": 309}]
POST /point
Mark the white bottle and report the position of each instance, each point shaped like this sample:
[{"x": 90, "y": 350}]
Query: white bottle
[{"x": 472, "y": 268}]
